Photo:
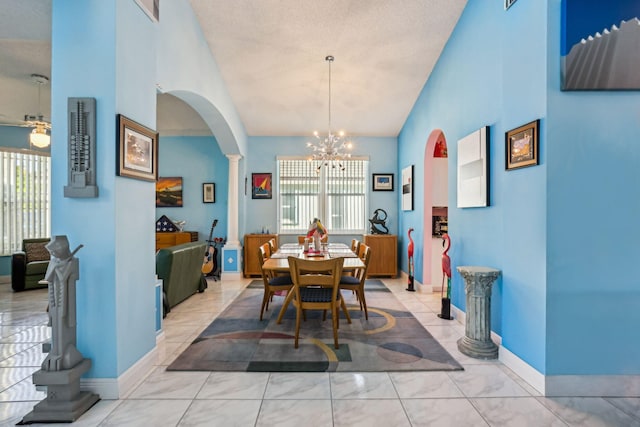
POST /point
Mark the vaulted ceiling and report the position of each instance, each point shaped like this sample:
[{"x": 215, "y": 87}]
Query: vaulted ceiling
[{"x": 271, "y": 54}]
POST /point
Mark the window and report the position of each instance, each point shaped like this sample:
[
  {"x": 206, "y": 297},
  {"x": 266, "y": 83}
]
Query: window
[
  {"x": 338, "y": 198},
  {"x": 25, "y": 195}
]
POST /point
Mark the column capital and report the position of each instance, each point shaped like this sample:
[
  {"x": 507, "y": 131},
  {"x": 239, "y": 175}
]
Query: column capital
[{"x": 234, "y": 157}]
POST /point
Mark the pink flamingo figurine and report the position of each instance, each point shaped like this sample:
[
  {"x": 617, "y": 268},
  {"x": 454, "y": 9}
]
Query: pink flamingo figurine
[
  {"x": 410, "y": 253},
  {"x": 445, "y": 312},
  {"x": 446, "y": 265}
]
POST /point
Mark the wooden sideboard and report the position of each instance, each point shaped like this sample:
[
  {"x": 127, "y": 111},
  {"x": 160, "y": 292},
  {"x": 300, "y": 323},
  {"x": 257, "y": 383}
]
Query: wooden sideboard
[
  {"x": 251, "y": 244},
  {"x": 384, "y": 254},
  {"x": 164, "y": 240}
]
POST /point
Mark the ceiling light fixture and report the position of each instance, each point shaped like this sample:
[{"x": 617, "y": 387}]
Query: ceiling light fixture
[
  {"x": 39, "y": 137},
  {"x": 330, "y": 150}
]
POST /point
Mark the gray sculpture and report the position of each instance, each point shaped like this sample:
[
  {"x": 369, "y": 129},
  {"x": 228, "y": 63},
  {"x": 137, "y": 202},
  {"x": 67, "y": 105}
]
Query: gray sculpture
[
  {"x": 82, "y": 148},
  {"x": 64, "y": 365},
  {"x": 62, "y": 274}
]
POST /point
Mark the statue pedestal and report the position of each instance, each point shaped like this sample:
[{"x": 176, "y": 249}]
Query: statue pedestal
[
  {"x": 64, "y": 402},
  {"x": 477, "y": 341}
]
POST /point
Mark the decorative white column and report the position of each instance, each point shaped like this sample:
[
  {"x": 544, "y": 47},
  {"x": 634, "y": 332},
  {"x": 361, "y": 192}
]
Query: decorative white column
[
  {"x": 232, "y": 250},
  {"x": 477, "y": 336}
]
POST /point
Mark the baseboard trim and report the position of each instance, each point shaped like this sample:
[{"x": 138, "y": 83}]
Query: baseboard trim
[
  {"x": 525, "y": 371},
  {"x": 592, "y": 385},
  {"x": 116, "y": 388}
]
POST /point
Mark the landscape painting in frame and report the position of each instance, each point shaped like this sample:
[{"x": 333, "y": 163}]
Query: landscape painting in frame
[
  {"x": 169, "y": 192},
  {"x": 600, "y": 41}
]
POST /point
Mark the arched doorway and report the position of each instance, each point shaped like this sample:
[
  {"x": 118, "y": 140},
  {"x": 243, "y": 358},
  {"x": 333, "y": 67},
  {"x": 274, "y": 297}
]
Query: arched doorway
[{"x": 435, "y": 208}]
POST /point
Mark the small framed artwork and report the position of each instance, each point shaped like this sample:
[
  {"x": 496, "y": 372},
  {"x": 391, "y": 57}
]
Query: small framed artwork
[
  {"x": 382, "y": 182},
  {"x": 169, "y": 192},
  {"x": 522, "y": 146},
  {"x": 407, "y": 188},
  {"x": 136, "y": 150},
  {"x": 261, "y": 185},
  {"x": 208, "y": 192},
  {"x": 508, "y": 3}
]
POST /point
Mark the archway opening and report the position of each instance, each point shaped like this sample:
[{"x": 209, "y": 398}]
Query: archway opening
[{"x": 435, "y": 206}]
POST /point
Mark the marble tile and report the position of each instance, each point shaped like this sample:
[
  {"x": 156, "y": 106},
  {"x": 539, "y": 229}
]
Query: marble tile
[
  {"x": 463, "y": 359},
  {"x": 516, "y": 411},
  {"x": 411, "y": 385},
  {"x": 156, "y": 413},
  {"x": 221, "y": 413},
  {"x": 298, "y": 385},
  {"x": 366, "y": 385},
  {"x": 32, "y": 356},
  {"x": 12, "y": 413},
  {"x": 180, "y": 333},
  {"x": 446, "y": 333},
  {"x": 295, "y": 413},
  {"x": 11, "y": 376},
  {"x": 22, "y": 391},
  {"x": 486, "y": 381},
  {"x": 32, "y": 334},
  {"x": 588, "y": 412},
  {"x": 629, "y": 405},
  {"x": 9, "y": 350},
  {"x": 170, "y": 385},
  {"x": 234, "y": 385},
  {"x": 370, "y": 412},
  {"x": 442, "y": 412}
]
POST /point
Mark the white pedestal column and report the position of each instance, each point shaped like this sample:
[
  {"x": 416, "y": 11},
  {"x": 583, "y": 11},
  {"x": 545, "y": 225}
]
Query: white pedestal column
[{"x": 232, "y": 250}]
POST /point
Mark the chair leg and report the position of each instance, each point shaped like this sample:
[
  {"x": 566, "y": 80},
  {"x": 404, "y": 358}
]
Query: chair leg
[
  {"x": 344, "y": 308},
  {"x": 265, "y": 302},
  {"x": 363, "y": 303},
  {"x": 299, "y": 313},
  {"x": 335, "y": 313}
]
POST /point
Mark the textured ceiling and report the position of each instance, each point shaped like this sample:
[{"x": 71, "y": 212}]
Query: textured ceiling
[{"x": 271, "y": 55}]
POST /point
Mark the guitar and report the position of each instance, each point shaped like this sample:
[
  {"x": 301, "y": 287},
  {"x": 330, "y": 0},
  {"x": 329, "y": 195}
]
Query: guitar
[{"x": 210, "y": 253}]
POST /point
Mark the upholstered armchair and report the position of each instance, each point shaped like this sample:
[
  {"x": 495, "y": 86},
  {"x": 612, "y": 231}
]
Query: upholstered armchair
[{"x": 29, "y": 266}]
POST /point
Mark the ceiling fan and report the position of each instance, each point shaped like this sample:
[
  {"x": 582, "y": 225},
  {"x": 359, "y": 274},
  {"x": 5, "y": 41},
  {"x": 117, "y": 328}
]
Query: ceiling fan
[{"x": 41, "y": 135}]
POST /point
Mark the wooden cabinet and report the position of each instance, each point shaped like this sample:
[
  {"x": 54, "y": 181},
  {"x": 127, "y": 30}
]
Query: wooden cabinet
[
  {"x": 164, "y": 240},
  {"x": 384, "y": 254},
  {"x": 251, "y": 244}
]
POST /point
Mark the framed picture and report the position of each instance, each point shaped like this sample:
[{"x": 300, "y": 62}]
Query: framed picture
[
  {"x": 261, "y": 185},
  {"x": 473, "y": 169},
  {"x": 136, "y": 150},
  {"x": 599, "y": 45},
  {"x": 208, "y": 192},
  {"x": 169, "y": 192},
  {"x": 382, "y": 182},
  {"x": 522, "y": 146},
  {"x": 407, "y": 188}
]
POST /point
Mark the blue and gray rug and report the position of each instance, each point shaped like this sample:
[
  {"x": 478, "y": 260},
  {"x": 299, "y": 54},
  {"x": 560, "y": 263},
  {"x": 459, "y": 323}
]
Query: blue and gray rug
[{"x": 391, "y": 340}]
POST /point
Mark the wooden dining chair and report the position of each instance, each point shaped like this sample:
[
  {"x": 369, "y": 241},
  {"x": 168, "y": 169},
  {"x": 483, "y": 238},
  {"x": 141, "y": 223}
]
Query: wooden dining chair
[
  {"x": 272, "y": 245},
  {"x": 323, "y": 239},
  {"x": 356, "y": 282},
  {"x": 272, "y": 282},
  {"x": 355, "y": 243},
  {"x": 315, "y": 287}
]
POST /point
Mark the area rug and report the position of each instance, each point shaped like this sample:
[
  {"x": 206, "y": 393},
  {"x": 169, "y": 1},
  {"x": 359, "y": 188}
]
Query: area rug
[{"x": 391, "y": 340}]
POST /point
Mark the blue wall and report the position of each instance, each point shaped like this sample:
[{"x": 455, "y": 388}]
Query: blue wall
[
  {"x": 492, "y": 72},
  {"x": 593, "y": 293},
  {"x": 263, "y": 152},
  {"x": 197, "y": 159}
]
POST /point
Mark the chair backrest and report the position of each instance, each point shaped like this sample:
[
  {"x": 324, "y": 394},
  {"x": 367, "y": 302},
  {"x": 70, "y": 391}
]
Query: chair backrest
[
  {"x": 264, "y": 253},
  {"x": 325, "y": 273},
  {"x": 364, "y": 253},
  {"x": 272, "y": 245},
  {"x": 355, "y": 244}
]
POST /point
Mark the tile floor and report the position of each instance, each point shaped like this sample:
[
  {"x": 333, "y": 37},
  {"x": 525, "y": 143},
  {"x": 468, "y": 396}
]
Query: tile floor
[{"x": 486, "y": 393}]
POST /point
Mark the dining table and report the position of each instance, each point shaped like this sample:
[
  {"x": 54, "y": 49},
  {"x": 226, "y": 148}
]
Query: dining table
[{"x": 279, "y": 261}]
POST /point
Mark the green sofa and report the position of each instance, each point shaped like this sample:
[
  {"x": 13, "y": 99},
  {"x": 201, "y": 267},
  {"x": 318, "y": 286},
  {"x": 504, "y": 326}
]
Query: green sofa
[
  {"x": 180, "y": 268},
  {"x": 29, "y": 266}
]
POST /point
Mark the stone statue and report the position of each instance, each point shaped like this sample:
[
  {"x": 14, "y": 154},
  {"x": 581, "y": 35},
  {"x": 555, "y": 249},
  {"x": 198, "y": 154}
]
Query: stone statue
[
  {"x": 62, "y": 273},
  {"x": 378, "y": 222}
]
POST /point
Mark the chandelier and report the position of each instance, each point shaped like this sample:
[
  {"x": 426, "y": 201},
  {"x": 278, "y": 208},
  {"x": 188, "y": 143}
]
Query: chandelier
[
  {"x": 39, "y": 136},
  {"x": 330, "y": 150}
]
